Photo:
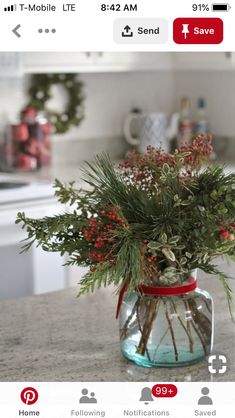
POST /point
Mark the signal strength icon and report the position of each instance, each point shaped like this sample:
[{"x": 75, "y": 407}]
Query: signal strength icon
[{"x": 11, "y": 8}]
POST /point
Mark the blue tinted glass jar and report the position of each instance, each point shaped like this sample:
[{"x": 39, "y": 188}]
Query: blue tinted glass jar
[{"x": 169, "y": 329}]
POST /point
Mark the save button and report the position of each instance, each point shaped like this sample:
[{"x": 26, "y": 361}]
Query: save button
[{"x": 198, "y": 31}]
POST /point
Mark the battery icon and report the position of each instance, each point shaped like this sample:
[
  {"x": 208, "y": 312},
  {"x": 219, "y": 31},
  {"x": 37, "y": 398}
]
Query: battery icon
[{"x": 220, "y": 7}]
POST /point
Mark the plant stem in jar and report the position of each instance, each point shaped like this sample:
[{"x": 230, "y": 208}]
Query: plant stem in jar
[
  {"x": 171, "y": 330},
  {"x": 152, "y": 306},
  {"x": 186, "y": 327}
]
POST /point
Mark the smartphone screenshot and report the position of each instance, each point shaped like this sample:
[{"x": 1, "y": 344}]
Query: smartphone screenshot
[{"x": 117, "y": 208}]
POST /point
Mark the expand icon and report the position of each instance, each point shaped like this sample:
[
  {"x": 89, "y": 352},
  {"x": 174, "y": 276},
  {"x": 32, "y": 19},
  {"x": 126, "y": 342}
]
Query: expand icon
[{"x": 217, "y": 364}]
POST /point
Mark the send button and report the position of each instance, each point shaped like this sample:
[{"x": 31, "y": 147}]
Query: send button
[{"x": 140, "y": 31}]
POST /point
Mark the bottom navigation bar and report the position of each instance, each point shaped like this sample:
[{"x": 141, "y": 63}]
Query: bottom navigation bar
[{"x": 116, "y": 400}]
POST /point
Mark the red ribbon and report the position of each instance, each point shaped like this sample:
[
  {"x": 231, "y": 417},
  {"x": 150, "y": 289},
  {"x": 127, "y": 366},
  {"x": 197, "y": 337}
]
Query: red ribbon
[
  {"x": 120, "y": 299},
  {"x": 159, "y": 291},
  {"x": 169, "y": 290}
]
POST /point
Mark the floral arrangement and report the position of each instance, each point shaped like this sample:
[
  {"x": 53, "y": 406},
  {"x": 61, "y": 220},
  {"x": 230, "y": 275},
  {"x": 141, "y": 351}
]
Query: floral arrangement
[{"x": 152, "y": 220}]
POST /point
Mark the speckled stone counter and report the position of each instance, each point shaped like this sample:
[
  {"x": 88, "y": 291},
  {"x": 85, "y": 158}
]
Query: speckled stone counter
[{"x": 57, "y": 337}]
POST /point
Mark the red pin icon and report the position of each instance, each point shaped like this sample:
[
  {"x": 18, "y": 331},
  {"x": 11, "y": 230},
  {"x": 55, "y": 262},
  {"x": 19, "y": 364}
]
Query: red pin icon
[{"x": 29, "y": 396}]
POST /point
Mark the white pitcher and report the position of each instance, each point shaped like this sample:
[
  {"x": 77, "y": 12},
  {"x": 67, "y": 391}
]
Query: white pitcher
[{"x": 156, "y": 130}]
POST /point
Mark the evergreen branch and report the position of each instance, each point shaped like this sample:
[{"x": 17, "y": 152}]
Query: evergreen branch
[
  {"x": 102, "y": 276},
  {"x": 212, "y": 269},
  {"x": 229, "y": 293}
]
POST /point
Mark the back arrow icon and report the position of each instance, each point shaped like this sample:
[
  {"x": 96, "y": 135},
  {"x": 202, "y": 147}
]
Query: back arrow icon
[{"x": 15, "y": 31}]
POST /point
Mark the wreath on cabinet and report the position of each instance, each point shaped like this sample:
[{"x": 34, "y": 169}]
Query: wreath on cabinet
[{"x": 40, "y": 93}]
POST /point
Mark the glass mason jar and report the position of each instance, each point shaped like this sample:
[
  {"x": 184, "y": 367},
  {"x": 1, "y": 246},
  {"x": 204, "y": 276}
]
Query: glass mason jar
[{"x": 167, "y": 326}]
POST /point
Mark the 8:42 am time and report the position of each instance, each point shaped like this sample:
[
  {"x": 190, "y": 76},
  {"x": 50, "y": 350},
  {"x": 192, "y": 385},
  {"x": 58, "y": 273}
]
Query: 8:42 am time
[{"x": 119, "y": 7}]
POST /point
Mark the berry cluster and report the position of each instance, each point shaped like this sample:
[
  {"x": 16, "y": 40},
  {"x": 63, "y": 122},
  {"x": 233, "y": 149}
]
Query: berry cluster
[
  {"x": 225, "y": 234},
  {"x": 153, "y": 158},
  {"x": 200, "y": 149},
  {"x": 151, "y": 263},
  {"x": 144, "y": 171},
  {"x": 99, "y": 234}
]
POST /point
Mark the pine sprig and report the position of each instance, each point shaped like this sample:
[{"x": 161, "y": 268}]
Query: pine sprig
[{"x": 110, "y": 188}]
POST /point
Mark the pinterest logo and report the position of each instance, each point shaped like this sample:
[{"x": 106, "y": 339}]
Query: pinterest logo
[{"x": 29, "y": 396}]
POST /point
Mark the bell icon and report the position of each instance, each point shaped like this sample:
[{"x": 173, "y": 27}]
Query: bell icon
[{"x": 146, "y": 395}]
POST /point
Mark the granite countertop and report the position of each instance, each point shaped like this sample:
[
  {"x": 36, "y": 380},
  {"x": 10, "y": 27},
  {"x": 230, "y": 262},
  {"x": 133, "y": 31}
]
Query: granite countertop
[
  {"x": 57, "y": 337},
  {"x": 64, "y": 172},
  {"x": 68, "y": 172}
]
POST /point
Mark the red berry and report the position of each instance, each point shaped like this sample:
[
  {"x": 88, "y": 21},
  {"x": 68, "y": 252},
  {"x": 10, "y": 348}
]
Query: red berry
[{"x": 224, "y": 234}]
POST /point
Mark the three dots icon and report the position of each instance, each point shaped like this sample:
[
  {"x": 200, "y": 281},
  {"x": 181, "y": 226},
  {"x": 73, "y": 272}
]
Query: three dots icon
[{"x": 40, "y": 30}]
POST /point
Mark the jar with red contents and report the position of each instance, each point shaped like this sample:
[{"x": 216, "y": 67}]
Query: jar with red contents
[
  {"x": 27, "y": 145},
  {"x": 166, "y": 326}
]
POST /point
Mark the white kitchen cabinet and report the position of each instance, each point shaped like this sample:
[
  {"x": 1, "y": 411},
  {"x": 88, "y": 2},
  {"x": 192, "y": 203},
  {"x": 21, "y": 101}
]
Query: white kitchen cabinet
[
  {"x": 36, "y": 271},
  {"x": 213, "y": 61},
  {"x": 91, "y": 62},
  {"x": 56, "y": 62},
  {"x": 132, "y": 61},
  {"x": 10, "y": 65}
]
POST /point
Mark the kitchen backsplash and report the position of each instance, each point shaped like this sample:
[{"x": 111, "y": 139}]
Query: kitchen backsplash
[
  {"x": 75, "y": 151},
  {"x": 218, "y": 89},
  {"x": 110, "y": 97}
]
